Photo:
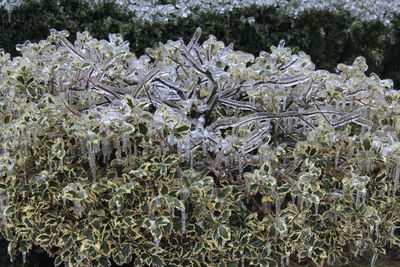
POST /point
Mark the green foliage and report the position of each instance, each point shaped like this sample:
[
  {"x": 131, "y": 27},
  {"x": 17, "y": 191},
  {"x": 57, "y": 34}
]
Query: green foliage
[
  {"x": 194, "y": 155},
  {"x": 327, "y": 37}
]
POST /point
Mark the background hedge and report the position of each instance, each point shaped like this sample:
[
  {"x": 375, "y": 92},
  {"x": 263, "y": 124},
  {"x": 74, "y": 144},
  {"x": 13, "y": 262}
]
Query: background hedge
[{"x": 327, "y": 37}]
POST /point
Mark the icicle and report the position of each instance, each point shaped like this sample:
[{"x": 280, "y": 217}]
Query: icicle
[
  {"x": 370, "y": 165},
  {"x": 373, "y": 260},
  {"x": 50, "y": 164},
  {"x": 191, "y": 159},
  {"x": 125, "y": 144},
  {"x": 391, "y": 231},
  {"x": 396, "y": 178},
  {"x": 316, "y": 207},
  {"x": 4, "y": 220},
  {"x": 183, "y": 220},
  {"x": 64, "y": 200},
  {"x": 61, "y": 164},
  {"x": 287, "y": 260},
  {"x": 23, "y": 257},
  {"x": 92, "y": 159},
  {"x": 157, "y": 243},
  {"x": 337, "y": 157},
  {"x": 242, "y": 261},
  {"x": 106, "y": 150},
  {"x": 300, "y": 202},
  {"x": 351, "y": 152},
  {"x": 277, "y": 207},
  {"x": 358, "y": 198},
  {"x": 78, "y": 208},
  {"x": 309, "y": 254},
  {"x": 135, "y": 151},
  {"x": 377, "y": 227},
  {"x": 284, "y": 103},
  {"x": 283, "y": 262},
  {"x": 269, "y": 250},
  {"x": 82, "y": 146},
  {"x": 364, "y": 198},
  {"x": 118, "y": 153},
  {"x": 223, "y": 242},
  {"x": 4, "y": 216}
]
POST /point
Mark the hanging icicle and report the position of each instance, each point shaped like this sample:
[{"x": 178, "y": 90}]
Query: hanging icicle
[
  {"x": 106, "y": 149},
  {"x": 364, "y": 197},
  {"x": 377, "y": 227},
  {"x": 183, "y": 220},
  {"x": 126, "y": 146},
  {"x": 242, "y": 262},
  {"x": 117, "y": 145},
  {"x": 277, "y": 207},
  {"x": 337, "y": 157},
  {"x": 223, "y": 242},
  {"x": 50, "y": 164},
  {"x": 316, "y": 207},
  {"x": 269, "y": 248},
  {"x": 284, "y": 100},
  {"x": 369, "y": 165},
  {"x": 351, "y": 152},
  {"x": 300, "y": 202},
  {"x": 191, "y": 159},
  {"x": 91, "y": 152},
  {"x": 374, "y": 259},
  {"x": 283, "y": 262},
  {"x": 358, "y": 198},
  {"x": 157, "y": 243},
  {"x": 60, "y": 164},
  {"x": 396, "y": 178},
  {"x": 78, "y": 208},
  {"x": 23, "y": 257}
]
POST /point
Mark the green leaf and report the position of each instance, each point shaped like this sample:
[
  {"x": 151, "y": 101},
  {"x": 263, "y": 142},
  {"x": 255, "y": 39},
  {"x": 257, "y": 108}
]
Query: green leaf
[
  {"x": 32, "y": 92},
  {"x": 224, "y": 232},
  {"x": 7, "y": 118},
  {"x": 143, "y": 128},
  {"x": 182, "y": 129},
  {"x": 157, "y": 261},
  {"x": 105, "y": 262}
]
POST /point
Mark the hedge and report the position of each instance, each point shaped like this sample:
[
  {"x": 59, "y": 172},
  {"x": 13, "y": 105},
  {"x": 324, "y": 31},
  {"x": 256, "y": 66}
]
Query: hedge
[
  {"x": 194, "y": 154},
  {"x": 328, "y": 37}
]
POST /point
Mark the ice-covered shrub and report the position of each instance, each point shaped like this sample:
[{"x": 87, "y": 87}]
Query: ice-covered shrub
[
  {"x": 194, "y": 155},
  {"x": 163, "y": 11}
]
